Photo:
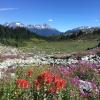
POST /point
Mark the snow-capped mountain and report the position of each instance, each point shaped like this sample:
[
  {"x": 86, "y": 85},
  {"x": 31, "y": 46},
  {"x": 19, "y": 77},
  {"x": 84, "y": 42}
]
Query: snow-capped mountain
[
  {"x": 14, "y": 24},
  {"x": 39, "y": 26},
  {"x": 44, "y": 30},
  {"x": 84, "y": 29},
  {"x": 40, "y": 29},
  {"x": 87, "y": 28}
]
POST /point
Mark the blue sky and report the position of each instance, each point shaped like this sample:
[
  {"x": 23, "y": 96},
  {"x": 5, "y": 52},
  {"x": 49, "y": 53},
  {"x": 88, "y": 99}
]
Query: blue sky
[{"x": 61, "y": 14}]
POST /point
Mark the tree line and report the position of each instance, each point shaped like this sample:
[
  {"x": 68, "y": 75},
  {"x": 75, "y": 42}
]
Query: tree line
[{"x": 15, "y": 36}]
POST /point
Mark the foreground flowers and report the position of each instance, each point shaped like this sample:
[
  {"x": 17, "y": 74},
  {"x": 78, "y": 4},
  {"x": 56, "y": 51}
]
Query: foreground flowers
[
  {"x": 43, "y": 86},
  {"x": 83, "y": 83}
]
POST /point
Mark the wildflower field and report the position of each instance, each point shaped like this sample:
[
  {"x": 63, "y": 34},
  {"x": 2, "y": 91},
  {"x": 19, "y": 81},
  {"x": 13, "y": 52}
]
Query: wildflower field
[
  {"x": 50, "y": 50},
  {"x": 79, "y": 81}
]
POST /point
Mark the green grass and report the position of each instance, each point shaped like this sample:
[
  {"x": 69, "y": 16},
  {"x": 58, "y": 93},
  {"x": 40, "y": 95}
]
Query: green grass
[{"x": 66, "y": 46}]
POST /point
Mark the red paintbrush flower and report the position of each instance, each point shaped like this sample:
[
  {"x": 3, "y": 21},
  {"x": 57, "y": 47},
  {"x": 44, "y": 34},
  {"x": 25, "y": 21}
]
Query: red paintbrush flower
[
  {"x": 52, "y": 90},
  {"x": 37, "y": 84},
  {"x": 22, "y": 83},
  {"x": 59, "y": 83},
  {"x": 45, "y": 77},
  {"x": 30, "y": 73}
]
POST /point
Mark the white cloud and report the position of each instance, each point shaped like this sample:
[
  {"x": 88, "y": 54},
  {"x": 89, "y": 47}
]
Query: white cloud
[
  {"x": 50, "y": 20},
  {"x": 8, "y": 9},
  {"x": 97, "y": 20}
]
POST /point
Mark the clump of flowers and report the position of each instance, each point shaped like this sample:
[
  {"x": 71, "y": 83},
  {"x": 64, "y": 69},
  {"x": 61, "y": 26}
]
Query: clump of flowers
[
  {"x": 42, "y": 87},
  {"x": 52, "y": 83},
  {"x": 85, "y": 88}
]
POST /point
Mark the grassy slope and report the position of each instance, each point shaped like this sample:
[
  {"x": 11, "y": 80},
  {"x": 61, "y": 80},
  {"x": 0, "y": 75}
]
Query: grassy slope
[{"x": 61, "y": 46}]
